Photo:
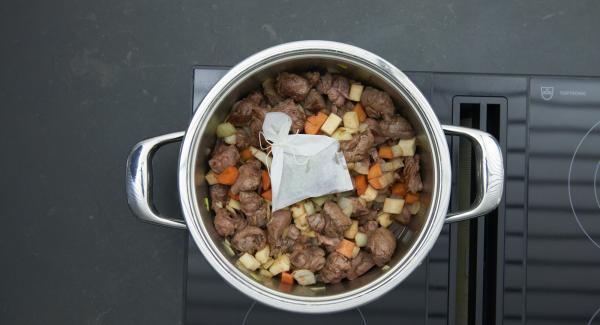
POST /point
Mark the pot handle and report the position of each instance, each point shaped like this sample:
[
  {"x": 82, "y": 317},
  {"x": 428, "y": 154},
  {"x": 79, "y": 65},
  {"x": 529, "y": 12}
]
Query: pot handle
[
  {"x": 489, "y": 171},
  {"x": 139, "y": 180}
]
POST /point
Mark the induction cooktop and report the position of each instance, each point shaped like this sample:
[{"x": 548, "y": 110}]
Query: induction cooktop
[{"x": 534, "y": 260}]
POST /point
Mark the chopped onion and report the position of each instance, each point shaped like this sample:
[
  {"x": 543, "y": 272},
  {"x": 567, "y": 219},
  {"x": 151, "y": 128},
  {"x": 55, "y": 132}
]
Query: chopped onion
[
  {"x": 281, "y": 264},
  {"x": 393, "y": 205},
  {"x": 230, "y": 139},
  {"x": 304, "y": 277},
  {"x": 346, "y": 205},
  {"x": 225, "y": 130},
  {"x": 263, "y": 255},
  {"x": 249, "y": 262},
  {"x": 360, "y": 239},
  {"x": 261, "y": 156}
]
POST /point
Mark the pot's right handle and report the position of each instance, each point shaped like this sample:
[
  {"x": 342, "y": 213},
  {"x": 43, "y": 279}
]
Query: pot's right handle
[
  {"x": 139, "y": 180},
  {"x": 489, "y": 172}
]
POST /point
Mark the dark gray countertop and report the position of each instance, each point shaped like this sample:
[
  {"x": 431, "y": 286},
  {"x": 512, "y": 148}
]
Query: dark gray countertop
[{"x": 82, "y": 81}]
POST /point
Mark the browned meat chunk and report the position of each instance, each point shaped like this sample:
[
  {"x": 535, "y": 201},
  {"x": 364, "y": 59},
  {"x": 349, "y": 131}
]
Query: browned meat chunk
[
  {"x": 256, "y": 97},
  {"x": 382, "y": 244},
  {"x": 310, "y": 258},
  {"x": 359, "y": 265},
  {"x": 244, "y": 139},
  {"x": 396, "y": 127},
  {"x": 324, "y": 84},
  {"x": 329, "y": 243},
  {"x": 338, "y": 92},
  {"x": 317, "y": 222},
  {"x": 280, "y": 220},
  {"x": 249, "y": 240},
  {"x": 312, "y": 77},
  {"x": 335, "y": 268},
  {"x": 411, "y": 174},
  {"x": 224, "y": 156},
  {"x": 256, "y": 126},
  {"x": 249, "y": 177},
  {"x": 377, "y": 103},
  {"x": 368, "y": 226},
  {"x": 404, "y": 216},
  {"x": 269, "y": 90},
  {"x": 218, "y": 195},
  {"x": 376, "y": 131},
  {"x": 294, "y": 111},
  {"x": 292, "y": 85},
  {"x": 242, "y": 111},
  {"x": 358, "y": 209},
  {"x": 255, "y": 209},
  {"x": 336, "y": 221},
  {"x": 358, "y": 148},
  {"x": 226, "y": 224},
  {"x": 314, "y": 101}
]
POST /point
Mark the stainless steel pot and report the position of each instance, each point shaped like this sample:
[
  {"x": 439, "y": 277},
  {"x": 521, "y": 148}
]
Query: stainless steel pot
[{"x": 415, "y": 242}]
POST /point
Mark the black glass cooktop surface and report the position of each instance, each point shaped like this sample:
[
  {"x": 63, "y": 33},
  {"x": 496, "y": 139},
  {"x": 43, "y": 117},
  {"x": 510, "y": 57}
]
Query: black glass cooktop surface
[{"x": 534, "y": 260}]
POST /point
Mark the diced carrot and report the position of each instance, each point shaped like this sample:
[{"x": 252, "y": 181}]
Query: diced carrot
[
  {"x": 360, "y": 182},
  {"x": 228, "y": 176},
  {"x": 411, "y": 198},
  {"x": 399, "y": 189},
  {"x": 386, "y": 152},
  {"x": 287, "y": 277},
  {"x": 360, "y": 112},
  {"x": 268, "y": 195},
  {"x": 266, "y": 180},
  {"x": 345, "y": 248},
  {"x": 314, "y": 123},
  {"x": 374, "y": 171},
  {"x": 376, "y": 183},
  {"x": 246, "y": 154},
  {"x": 234, "y": 196}
]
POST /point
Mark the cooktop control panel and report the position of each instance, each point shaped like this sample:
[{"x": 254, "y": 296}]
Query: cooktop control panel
[{"x": 534, "y": 260}]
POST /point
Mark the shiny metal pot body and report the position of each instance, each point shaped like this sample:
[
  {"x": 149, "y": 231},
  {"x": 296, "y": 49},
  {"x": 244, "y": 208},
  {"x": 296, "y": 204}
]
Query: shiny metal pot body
[{"x": 415, "y": 241}]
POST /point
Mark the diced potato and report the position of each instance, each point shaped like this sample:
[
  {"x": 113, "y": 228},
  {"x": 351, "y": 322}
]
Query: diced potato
[
  {"x": 392, "y": 165},
  {"x": 261, "y": 156},
  {"x": 263, "y": 255},
  {"x": 351, "y": 232},
  {"x": 350, "y": 120},
  {"x": 361, "y": 167},
  {"x": 393, "y": 205},
  {"x": 360, "y": 239},
  {"x": 304, "y": 277},
  {"x": 370, "y": 194},
  {"x": 281, "y": 264},
  {"x": 384, "y": 220},
  {"x": 405, "y": 148},
  {"x": 249, "y": 262},
  {"x": 319, "y": 201},
  {"x": 265, "y": 273},
  {"x": 225, "y": 130},
  {"x": 355, "y": 251},
  {"x": 355, "y": 92},
  {"x": 211, "y": 178},
  {"x": 309, "y": 207},
  {"x": 331, "y": 124},
  {"x": 266, "y": 265},
  {"x": 298, "y": 210},
  {"x": 230, "y": 139},
  {"x": 346, "y": 205},
  {"x": 342, "y": 134},
  {"x": 414, "y": 208},
  {"x": 301, "y": 222}
]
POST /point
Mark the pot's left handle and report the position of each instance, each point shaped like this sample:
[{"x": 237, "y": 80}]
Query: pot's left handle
[{"x": 139, "y": 180}]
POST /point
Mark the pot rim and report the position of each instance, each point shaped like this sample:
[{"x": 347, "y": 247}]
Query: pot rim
[{"x": 440, "y": 192}]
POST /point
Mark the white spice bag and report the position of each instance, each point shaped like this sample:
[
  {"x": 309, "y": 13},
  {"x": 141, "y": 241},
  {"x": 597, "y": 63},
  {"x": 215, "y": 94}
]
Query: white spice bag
[{"x": 303, "y": 165}]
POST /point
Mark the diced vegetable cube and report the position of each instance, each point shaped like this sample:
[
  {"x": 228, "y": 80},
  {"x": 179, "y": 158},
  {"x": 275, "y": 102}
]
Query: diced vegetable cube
[
  {"x": 360, "y": 239},
  {"x": 351, "y": 120},
  {"x": 314, "y": 123},
  {"x": 355, "y": 251},
  {"x": 230, "y": 139},
  {"x": 263, "y": 255},
  {"x": 225, "y": 130},
  {"x": 261, "y": 156},
  {"x": 360, "y": 112},
  {"x": 298, "y": 210},
  {"x": 408, "y": 147},
  {"x": 355, "y": 92},
  {"x": 392, "y": 165},
  {"x": 393, "y": 205},
  {"x": 361, "y": 167},
  {"x": 249, "y": 262},
  {"x": 266, "y": 265},
  {"x": 382, "y": 181},
  {"x": 351, "y": 232},
  {"x": 211, "y": 178},
  {"x": 331, "y": 124},
  {"x": 304, "y": 277},
  {"x": 287, "y": 278},
  {"x": 384, "y": 219},
  {"x": 319, "y": 201},
  {"x": 309, "y": 207},
  {"x": 414, "y": 208},
  {"x": 342, "y": 134},
  {"x": 345, "y": 247},
  {"x": 370, "y": 194},
  {"x": 281, "y": 264},
  {"x": 374, "y": 171},
  {"x": 265, "y": 273},
  {"x": 234, "y": 204},
  {"x": 346, "y": 205},
  {"x": 412, "y": 198}
]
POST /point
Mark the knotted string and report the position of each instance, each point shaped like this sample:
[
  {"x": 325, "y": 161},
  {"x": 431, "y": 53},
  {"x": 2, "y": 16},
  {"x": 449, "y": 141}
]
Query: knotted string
[{"x": 282, "y": 144}]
